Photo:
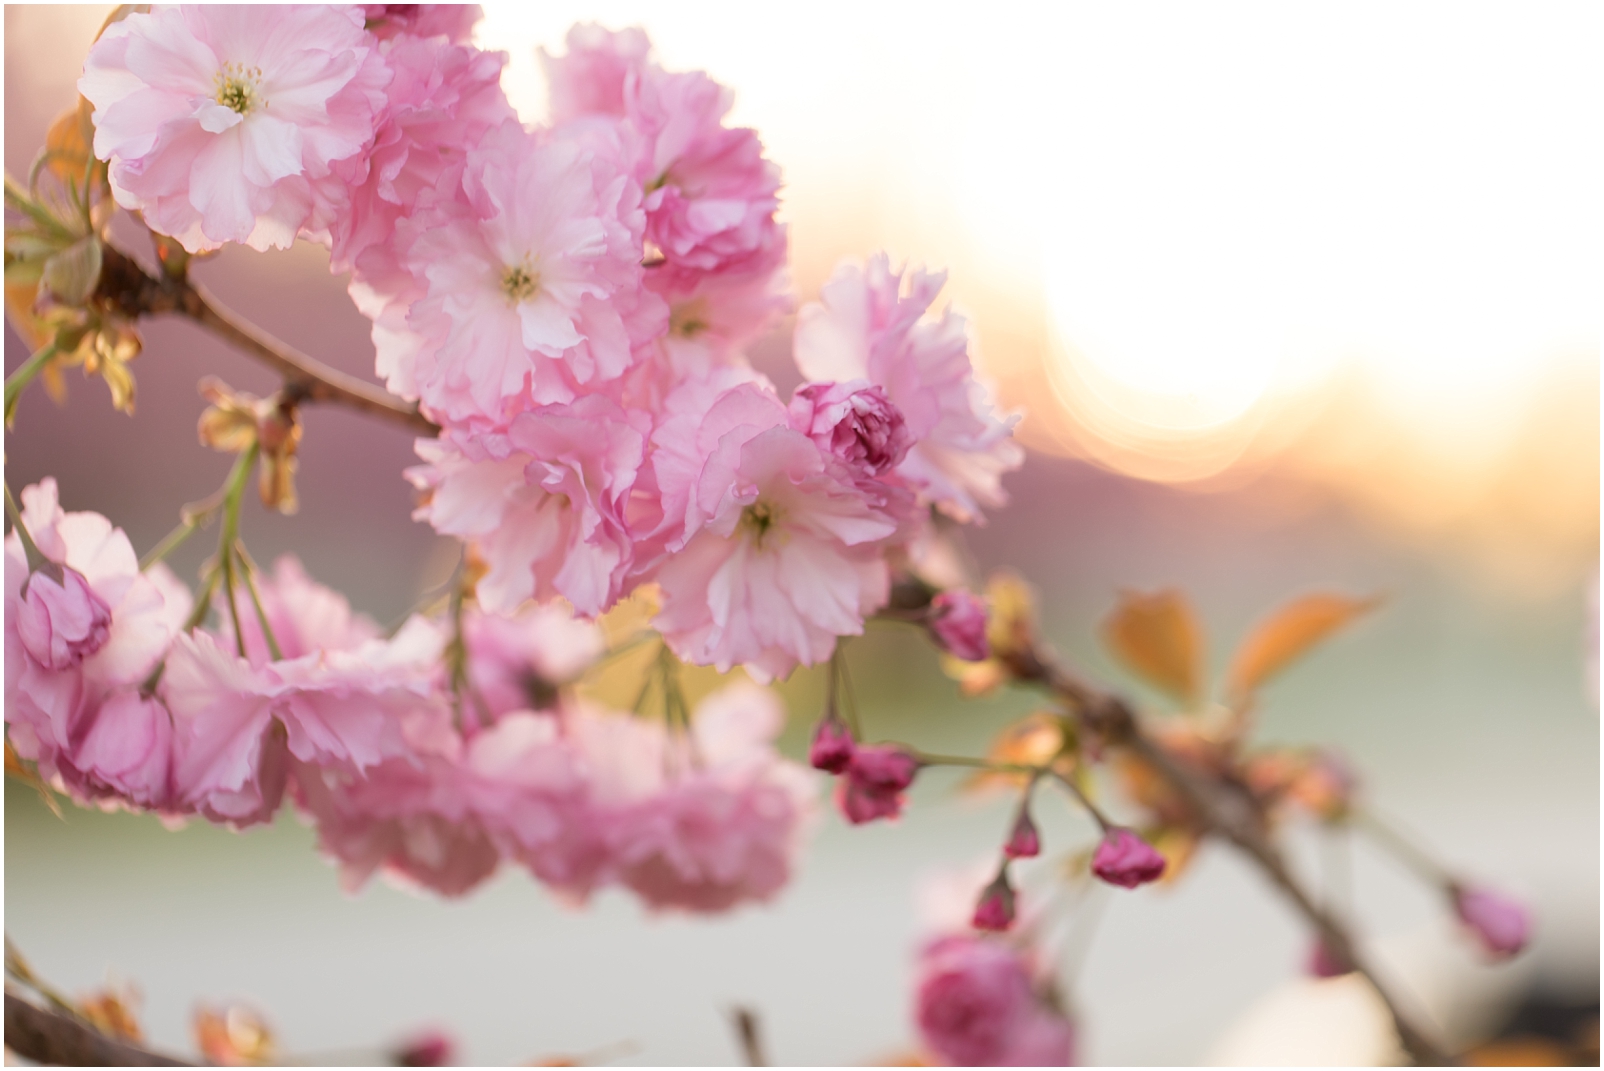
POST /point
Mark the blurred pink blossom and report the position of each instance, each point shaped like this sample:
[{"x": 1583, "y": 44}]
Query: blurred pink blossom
[
  {"x": 957, "y": 622},
  {"x": 1124, "y": 859},
  {"x": 1500, "y": 924},
  {"x": 875, "y": 781},
  {"x": 975, "y": 1006}
]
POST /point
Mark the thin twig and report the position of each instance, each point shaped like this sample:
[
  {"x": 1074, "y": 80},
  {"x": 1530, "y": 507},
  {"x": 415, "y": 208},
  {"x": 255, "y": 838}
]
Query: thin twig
[{"x": 749, "y": 1035}]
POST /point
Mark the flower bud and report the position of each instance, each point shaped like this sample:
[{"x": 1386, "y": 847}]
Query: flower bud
[
  {"x": 875, "y": 779},
  {"x": 832, "y": 746},
  {"x": 957, "y": 622},
  {"x": 1503, "y": 926},
  {"x": 853, "y": 422},
  {"x": 432, "y": 1048},
  {"x": 1323, "y": 963},
  {"x": 995, "y": 909},
  {"x": 1024, "y": 842},
  {"x": 1126, "y": 860},
  {"x": 62, "y": 624}
]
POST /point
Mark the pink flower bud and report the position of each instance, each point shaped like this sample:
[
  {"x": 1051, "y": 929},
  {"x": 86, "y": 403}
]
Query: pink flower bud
[
  {"x": 832, "y": 746},
  {"x": 957, "y": 621},
  {"x": 62, "y": 624},
  {"x": 1323, "y": 963},
  {"x": 1503, "y": 926},
  {"x": 853, "y": 422},
  {"x": 1126, "y": 860},
  {"x": 995, "y": 909},
  {"x": 1024, "y": 842},
  {"x": 432, "y": 1048},
  {"x": 875, "y": 779}
]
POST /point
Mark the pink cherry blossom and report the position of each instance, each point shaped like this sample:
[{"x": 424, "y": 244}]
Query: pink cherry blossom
[
  {"x": 995, "y": 908},
  {"x": 544, "y": 501},
  {"x": 1502, "y": 925},
  {"x": 784, "y": 551},
  {"x": 975, "y": 1006},
  {"x": 710, "y": 195},
  {"x": 518, "y": 662},
  {"x": 531, "y": 290},
  {"x": 957, "y": 623},
  {"x": 60, "y": 624},
  {"x": 455, "y": 22},
  {"x": 442, "y": 101},
  {"x": 874, "y": 782},
  {"x": 712, "y": 317},
  {"x": 223, "y": 124},
  {"x": 1124, "y": 859},
  {"x": 867, "y": 327},
  {"x": 853, "y": 422},
  {"x": 305, "y": 617},
  {"x": 707, "y": 822},
  {"x": 80, "y": 644}
]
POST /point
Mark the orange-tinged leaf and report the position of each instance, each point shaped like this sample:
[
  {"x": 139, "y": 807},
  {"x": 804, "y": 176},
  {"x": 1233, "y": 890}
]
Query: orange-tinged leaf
[
  {"x": 67, "y": 142},
  {"x": 1286, "y": 634},
  {"x": 1034, "y": 740},
  {"x": 1158, "y": 638},
  {"x": 1178, "y": 847}
]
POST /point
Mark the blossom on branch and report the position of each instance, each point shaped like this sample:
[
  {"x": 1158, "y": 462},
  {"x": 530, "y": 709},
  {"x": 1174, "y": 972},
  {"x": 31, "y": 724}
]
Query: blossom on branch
[{"x": 224, "y": 124}]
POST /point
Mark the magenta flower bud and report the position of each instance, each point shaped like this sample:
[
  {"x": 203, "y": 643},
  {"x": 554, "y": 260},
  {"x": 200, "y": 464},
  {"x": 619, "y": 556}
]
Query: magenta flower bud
[
  {"x": 875, "y": 779},
  {"x": 1024, "y": 842},
  {"x": 432, "y": 1048},
  {"x": 995, "y": 909},
  {"x": 62, "y": 624},
  {"x": 1323, "y": 963},
  {"x": 853, "y": 422},
  {"x": 1503, "y": 926},
  {"x": 832, "y": 746},
  {"x": 1126, "y": 860},
  {"x": 957, "y": 622}
]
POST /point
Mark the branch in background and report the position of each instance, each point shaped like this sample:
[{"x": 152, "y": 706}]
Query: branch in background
[
  {"x": 49, "y": 1037},
  {"x": 1220, "y": 806},
  {"x": 138, "y": 293},
  {"x": 749, "y": 1035}
]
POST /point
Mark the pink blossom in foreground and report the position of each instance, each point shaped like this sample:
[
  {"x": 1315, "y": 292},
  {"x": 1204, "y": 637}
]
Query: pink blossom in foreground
[
  {"x": 975, "y": 1006},
  {"x": 866, "y": 327},
  {"x": 852, "y": 422},
  {"x": 80, "y": 645},
  {"x": 1126, "y": 860},
  {"x": 704, "y": 823},
  {"x": 712, "y": 316},
  {"x": 874, "y": 783},
  {"x": 442, "y": 101},
  {"x": 455, "y": 22},
  {"x": 531, "y": 291},
  {"x": 1502, "y": 925},
  {"x": 544, "y": 501},
  {"x": 784, "y": 551},
  {"x": 957, "y": 623},
  {"x": 61, "y": 624},
  {"x": 224, "y": 124},
  {"x": 710, "y": 196},
  {"x": 832, "y": 747},
  {"x": 237, "y": 725}
]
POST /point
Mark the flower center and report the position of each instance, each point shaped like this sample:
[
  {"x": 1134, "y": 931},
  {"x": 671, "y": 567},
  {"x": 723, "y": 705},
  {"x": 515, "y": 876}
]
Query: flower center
[
  {"x": 759, "y": 518},
  {"x": 520, "y": 282},
  {"x": 239, "y": 87},
  {"x": 687, "y": 320}
]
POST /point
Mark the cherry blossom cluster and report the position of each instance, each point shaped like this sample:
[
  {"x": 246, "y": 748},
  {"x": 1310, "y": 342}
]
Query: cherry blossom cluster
[
  {"x": 114, "y": 699},
  {"x": 569, "y": 304}
]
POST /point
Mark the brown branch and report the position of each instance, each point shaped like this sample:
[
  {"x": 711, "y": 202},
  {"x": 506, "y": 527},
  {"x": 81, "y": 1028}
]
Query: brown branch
[
  {"x": 134, "y": 292},
  {"x": 49, "y": 1037},
  {"x": 749, "y": 1035},
  {"x": 1222, "y": 807}
]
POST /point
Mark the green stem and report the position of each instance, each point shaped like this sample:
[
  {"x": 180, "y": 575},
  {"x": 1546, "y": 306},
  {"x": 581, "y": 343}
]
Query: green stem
[
  {"x": 249, "y": 568},
  {"x": 1404, "y": 849},
  {"x": 36, "y": 558},
  {"x": 18, "y": 381},
  {"x": 233, "y": 497}
]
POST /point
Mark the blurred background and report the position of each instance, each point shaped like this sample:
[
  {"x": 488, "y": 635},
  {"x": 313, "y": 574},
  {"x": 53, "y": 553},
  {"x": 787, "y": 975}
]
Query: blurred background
[{"x": 1291, "y": 297}]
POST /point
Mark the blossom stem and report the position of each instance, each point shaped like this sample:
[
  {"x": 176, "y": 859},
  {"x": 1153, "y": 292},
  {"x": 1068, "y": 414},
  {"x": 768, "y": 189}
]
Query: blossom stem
[
  {"x": 233, "y": 497},
  {"x": 1404, "y": 849},
  {"x": 248, "y": 568},
  {"x": 1091, "y": 808},
  {"x": 18, "y": 381},
  {"x": 37, "y": 562}
]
